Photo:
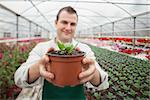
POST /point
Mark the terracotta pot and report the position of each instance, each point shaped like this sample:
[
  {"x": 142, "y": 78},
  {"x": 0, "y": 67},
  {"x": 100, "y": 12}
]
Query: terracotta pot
[{"x": 66, "y": 69}]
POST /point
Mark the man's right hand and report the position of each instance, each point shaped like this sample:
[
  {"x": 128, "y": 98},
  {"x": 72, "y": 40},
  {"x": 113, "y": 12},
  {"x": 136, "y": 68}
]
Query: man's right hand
[
  {"x": 44, "y": 68},
  {"x": 41, "y": 68}
]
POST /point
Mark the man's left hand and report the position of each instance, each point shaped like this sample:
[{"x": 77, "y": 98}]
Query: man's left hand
[{"x": 89, "y": 72}]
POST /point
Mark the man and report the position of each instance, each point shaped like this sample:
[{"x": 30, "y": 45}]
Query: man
[{"x": 34, "y": 78}]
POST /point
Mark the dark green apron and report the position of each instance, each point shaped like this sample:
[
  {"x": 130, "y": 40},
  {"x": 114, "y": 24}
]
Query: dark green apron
[{"x": 51, "y": 92}]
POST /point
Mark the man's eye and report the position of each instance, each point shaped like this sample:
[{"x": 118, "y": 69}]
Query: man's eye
[
  {"x": 73, "y": 24},
  {"x": 64, "y": 22}
]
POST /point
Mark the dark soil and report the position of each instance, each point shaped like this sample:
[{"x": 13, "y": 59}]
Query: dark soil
[{"x": 64, "y": 53}]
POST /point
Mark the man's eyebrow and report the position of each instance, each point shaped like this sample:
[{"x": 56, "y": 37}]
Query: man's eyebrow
[{"x": 63, "y": 21}]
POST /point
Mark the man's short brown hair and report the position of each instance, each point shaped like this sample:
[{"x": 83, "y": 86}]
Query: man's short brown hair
[{"x": 69, "y": 9}]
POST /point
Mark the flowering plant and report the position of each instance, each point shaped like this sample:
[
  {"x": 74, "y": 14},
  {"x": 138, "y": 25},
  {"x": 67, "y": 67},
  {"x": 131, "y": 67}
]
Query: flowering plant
[{"x": 11, "y": 57}]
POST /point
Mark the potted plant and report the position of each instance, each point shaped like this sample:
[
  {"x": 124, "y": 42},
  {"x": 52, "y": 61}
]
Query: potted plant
[{"x": 66, "y": 64}]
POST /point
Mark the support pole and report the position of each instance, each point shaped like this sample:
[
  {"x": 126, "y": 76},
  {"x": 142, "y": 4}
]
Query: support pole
[{"x": 134, "y": 32}]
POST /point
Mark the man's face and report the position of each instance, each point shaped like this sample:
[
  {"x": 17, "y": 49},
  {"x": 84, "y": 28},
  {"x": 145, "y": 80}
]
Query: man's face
[{"x": 66, "y": 26}]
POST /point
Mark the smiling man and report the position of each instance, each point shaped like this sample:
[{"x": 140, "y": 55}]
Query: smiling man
[
  {"x": 34, "y": 79},
  {"x": 66, "y": 23}
]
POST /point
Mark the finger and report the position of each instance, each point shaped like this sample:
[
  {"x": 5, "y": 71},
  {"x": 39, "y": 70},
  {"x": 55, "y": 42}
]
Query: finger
[
  {"x": 85, "y": 67},
  {"x": 87, "y": 72},
  {"x": 46, "y": 58},
  {"x": 49, "y": 80},
  {"x": 50, "y": 50},
  {"x": 77, "y": 49},
  {"x": 47, "y": 66},
  {"x": 45, "y": 73},
  {"x": 87, "y": 61}
]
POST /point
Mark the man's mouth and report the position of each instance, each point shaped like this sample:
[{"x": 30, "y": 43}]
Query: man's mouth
[{"x": 67, "y": 33}]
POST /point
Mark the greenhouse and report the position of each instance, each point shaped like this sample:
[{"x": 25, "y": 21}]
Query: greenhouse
[{"x": 117, "y": 31}]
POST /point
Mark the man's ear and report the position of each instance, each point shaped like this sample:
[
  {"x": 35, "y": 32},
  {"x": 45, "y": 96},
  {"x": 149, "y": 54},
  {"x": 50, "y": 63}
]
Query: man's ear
[{"x": 55, "y": 23}]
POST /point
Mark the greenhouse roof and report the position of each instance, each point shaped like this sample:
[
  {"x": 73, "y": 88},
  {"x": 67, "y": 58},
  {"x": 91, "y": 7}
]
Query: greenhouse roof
[{"x": 91, "y": 12}]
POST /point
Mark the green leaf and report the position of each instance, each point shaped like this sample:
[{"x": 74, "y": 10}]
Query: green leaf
[
  {"x": 97, "y": 95},
  {"x": 61, "y": 45},
  {"x": 132, "y": 92},
  {"x": 66, "y": 47},
  {"x": 1, "y": 82},
  {"x": 69, "y": 47}
]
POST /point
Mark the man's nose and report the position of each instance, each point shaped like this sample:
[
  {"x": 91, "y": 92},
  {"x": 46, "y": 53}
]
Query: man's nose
[{"x": 68, "y": 27}]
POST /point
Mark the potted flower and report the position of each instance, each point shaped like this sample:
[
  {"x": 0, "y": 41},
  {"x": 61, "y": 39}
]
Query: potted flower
[{"x": 66, "y": 64}]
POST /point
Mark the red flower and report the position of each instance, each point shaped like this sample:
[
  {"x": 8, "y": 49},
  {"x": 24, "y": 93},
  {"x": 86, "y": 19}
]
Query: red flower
[
  {"x": 23, "y": 48},
  {"x": 13, "y": 90},
  {"x": 1, "y": 55},
  {"x": 148, "y": 57}
]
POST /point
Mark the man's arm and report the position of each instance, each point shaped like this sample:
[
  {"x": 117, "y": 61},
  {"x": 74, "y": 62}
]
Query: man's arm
[
  {"x": 96, "y": 80},
  {"x": 39, "y": 69},
  {"x": 90, "y": 73}
]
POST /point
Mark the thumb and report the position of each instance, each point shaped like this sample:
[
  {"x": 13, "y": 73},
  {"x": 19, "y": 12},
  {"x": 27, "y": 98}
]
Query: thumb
[
  {"x": 77, "y": 49},
  {"x": 87, "y": 61},
  {"x": 50, "y": 50},
  {"x": 45, "y": 59}
]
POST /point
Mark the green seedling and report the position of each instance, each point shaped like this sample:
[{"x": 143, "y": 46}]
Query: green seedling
[{"x": 66, "y": 47}]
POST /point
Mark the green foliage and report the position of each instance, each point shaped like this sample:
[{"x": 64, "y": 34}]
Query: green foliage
[
  {"x": 97, "y": 96},
  {"x": 129, "y": 77},
  {"x": 66, "y": 47},
  {"x": 13, "y": 57},
  {"x": 61, "y": 45},
  {"x": 110, "y": 95}
]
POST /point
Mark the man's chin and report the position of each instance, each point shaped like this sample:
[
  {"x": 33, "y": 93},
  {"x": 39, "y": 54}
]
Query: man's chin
[{"x": 67, "y": 38}]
